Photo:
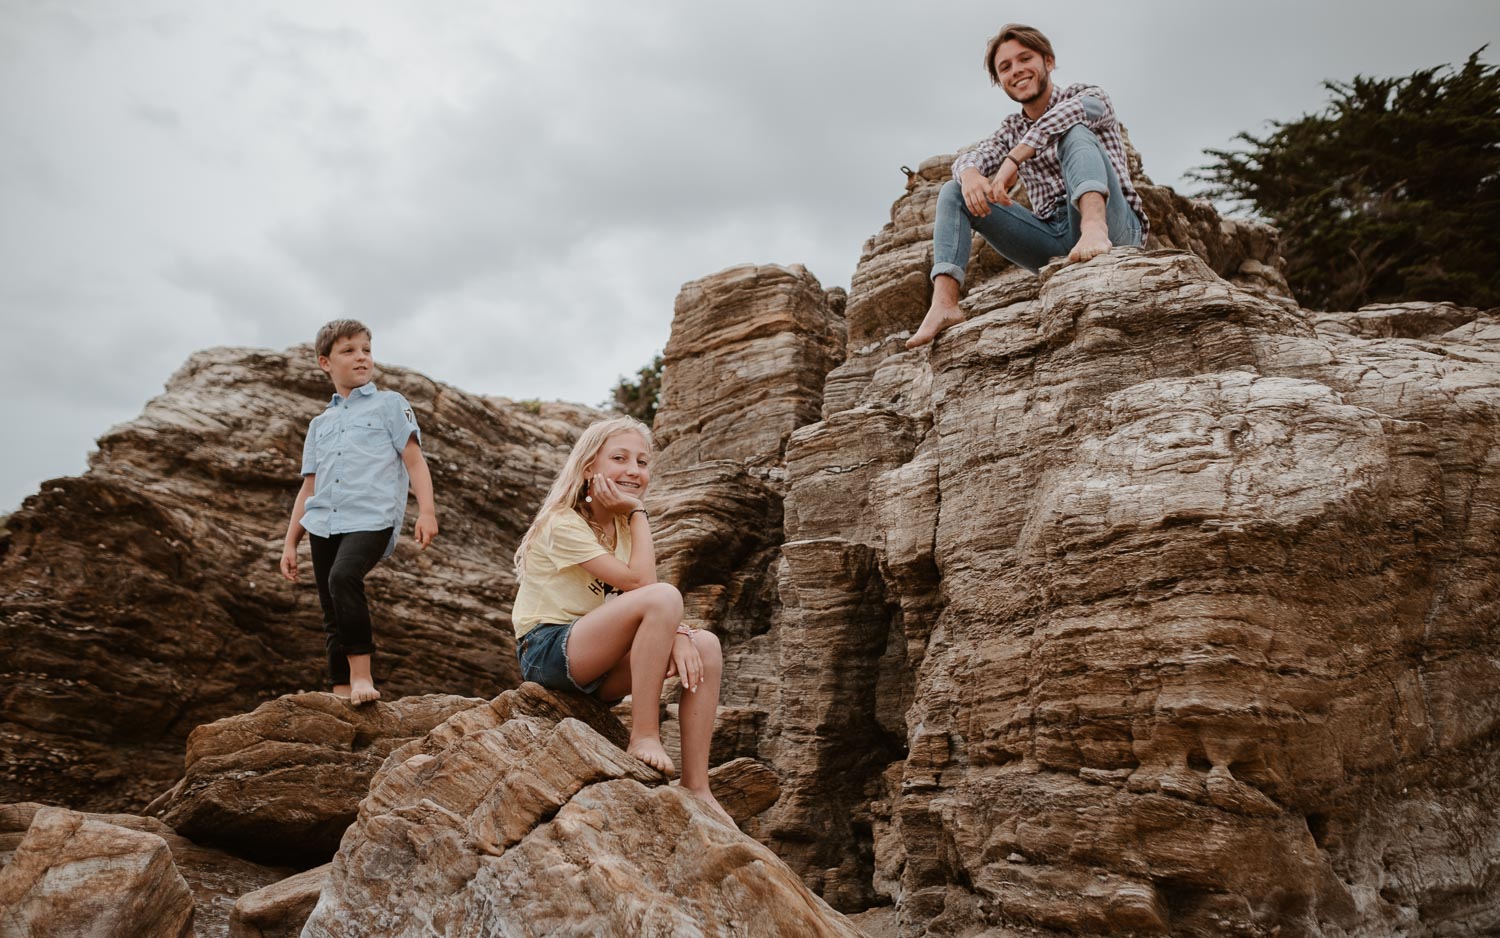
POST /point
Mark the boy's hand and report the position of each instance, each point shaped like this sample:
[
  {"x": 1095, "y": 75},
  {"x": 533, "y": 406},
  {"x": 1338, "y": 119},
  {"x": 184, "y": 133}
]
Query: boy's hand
[
  {"x": 289, "y": 562},
  {"x": 425, "y": 530}
]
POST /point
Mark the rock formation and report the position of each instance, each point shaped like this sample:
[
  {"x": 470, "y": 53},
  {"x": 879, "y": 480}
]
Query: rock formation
[
  {"x": 142, "y": 599},
  {"x": 283, "y": 782},
  {"x": 70, "y": 874},
  {"x": 73, "y": 875},
  {"x": 279, "y": 910},
  {"x": 525, "y": 817},
  {"x": 1144, "y": 601}
]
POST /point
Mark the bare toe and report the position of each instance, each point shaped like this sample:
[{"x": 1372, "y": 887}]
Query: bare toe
[
  {"x": 363, "y": 693},
  {"x": 649, "y": 750}
]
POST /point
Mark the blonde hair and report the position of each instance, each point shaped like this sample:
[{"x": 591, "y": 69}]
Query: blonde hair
[{"x": 567, "y": 490}]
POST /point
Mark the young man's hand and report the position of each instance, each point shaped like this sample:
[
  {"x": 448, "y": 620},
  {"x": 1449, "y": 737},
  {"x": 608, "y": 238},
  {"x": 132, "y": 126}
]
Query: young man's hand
[
  {"x": 976, "y": 189},
  {"x": 425, "y": 530},
  {"x": 289, "y": 562},
  {"x": 1002, "y": 182}
]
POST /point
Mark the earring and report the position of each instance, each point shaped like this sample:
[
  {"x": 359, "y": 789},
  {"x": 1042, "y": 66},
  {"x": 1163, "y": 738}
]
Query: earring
[{"x": 586, "y": 496}]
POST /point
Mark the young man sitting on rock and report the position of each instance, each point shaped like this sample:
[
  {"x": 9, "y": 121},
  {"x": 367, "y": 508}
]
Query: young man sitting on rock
[{"x": 1065, "y": 145}]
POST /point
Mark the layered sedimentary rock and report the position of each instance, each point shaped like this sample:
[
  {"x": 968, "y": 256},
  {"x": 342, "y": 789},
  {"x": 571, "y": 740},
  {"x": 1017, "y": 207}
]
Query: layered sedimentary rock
[
  {"x": 524, "y": 818},
  {"x": 1169, "y": 602},
  {"x": 283, "y": 781},
  {"x": 215, "y": 879},
  {"x": 143, "y": 599}
]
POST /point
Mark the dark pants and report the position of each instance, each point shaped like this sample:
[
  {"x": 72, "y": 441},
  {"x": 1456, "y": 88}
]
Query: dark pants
[{"x": 340, "y": 564}]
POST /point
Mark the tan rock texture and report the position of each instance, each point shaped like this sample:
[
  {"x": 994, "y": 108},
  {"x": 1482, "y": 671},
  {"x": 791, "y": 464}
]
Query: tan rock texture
[
  {"x": 1143, "y": 602},
  {"x": 283, "y": 782},
  {"x": 521, "y": 818},
  {"x": 1188, "y": 594},
  {"x": 73, "y": 875},
  {"x": 280, "y": 909},
  {"x": 217, "y": 879},
  {"x": 142, "y": 599}
]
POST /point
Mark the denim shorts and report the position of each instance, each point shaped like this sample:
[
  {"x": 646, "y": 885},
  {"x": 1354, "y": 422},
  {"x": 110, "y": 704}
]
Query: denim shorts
[{"x": 543, "y": 651}]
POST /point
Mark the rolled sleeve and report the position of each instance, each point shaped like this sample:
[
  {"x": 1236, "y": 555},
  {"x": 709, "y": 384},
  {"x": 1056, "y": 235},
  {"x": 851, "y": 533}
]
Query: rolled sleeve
[
  {"x": 985, "y": 155},
  {"x": 400, "y": 422}
]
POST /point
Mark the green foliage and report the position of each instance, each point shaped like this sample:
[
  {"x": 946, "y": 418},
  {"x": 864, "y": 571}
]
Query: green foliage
[
  {"x": 640, "y": 397},
  {"x": 1392, "y": 193}
]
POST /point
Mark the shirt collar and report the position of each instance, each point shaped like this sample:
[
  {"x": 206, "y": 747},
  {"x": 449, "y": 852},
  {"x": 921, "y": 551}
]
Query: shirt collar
[
  {"x": 364, "y": 390},
  {"x": 1051, "y": 101}
]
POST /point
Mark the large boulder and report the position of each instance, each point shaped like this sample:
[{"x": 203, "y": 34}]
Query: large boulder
[
  {"x": 217, "y": 879},
  {"x": 142, "y": 599},
  {"x": 282, "y": 782},
  {"x": 74, "y": 875},
  {"x": 521, "y": 818}
]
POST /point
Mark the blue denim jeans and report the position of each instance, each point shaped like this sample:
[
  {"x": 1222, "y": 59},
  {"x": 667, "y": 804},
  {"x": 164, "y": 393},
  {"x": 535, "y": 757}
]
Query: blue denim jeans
[
  {"x": 543, "y": 653},
  {"x": 1020, "y": 236}
]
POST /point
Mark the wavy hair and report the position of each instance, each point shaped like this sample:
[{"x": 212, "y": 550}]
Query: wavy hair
[
  {"x": 1028, "y": 36},
  {"x": 568, "y": 489}
]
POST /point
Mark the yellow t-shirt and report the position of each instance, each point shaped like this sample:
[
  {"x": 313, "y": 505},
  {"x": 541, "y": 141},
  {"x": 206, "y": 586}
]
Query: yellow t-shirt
[{"x": 554, "y": 587}]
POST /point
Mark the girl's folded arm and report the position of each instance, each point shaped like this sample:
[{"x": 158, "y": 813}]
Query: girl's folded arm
[{"x": 621, "y": 576}]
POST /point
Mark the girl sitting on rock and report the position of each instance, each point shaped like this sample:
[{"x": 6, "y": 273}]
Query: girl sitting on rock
[{"x": 591, "y": 542}]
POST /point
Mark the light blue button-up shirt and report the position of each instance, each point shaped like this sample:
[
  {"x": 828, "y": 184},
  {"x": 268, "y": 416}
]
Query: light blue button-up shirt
[{"x": 354, "y": 447}]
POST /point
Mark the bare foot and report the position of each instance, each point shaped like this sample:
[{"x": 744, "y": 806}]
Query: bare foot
[
  {"x": 361, "y": 692},
  {"x": 707, "y": 797},
  {"x": 940, "y": 315},
  {"x": 1093, "y": 242},
  {"x": 649, "y": 750}
]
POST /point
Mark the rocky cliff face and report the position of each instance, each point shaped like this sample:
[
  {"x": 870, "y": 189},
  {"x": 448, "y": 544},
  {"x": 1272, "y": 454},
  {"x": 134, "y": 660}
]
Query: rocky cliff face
[
  {"x": 142, "y": 599},
  {"x": 1143, "y": 601}
]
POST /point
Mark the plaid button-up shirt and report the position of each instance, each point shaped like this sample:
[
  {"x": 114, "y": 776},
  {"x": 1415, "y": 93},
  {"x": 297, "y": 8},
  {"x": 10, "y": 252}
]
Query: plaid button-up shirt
[{"x": 1042, "y": 174}]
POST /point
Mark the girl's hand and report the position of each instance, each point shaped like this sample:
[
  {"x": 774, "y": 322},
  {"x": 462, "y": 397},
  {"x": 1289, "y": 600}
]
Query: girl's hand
[
  {"x": 687, "y": 662},
  {"x": 611, "y": 497}
]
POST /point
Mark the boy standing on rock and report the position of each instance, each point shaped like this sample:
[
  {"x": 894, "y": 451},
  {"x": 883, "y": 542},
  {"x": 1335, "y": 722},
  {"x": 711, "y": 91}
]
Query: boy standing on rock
[
  {"x": 1065, "y": 145},
  {"x": 360, "y": 455}
]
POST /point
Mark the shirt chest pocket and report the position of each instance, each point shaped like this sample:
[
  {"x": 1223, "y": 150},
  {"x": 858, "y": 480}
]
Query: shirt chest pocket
[{"x": 368, "y": 435}]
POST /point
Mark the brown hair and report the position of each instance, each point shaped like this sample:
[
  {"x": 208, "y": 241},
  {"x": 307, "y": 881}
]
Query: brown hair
[
  {"x": 333, "y": 331},
  {"x": 1028, "y": 36}
]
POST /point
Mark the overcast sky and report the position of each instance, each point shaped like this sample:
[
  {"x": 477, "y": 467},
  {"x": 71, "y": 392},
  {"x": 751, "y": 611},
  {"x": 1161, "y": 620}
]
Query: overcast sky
[{"x": 511, "y": 193}]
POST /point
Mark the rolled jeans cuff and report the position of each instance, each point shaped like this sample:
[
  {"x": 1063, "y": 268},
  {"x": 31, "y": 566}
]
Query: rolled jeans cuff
[
  {"x": 952, "y": 270},
  {"x": 1084, "y": 188}
]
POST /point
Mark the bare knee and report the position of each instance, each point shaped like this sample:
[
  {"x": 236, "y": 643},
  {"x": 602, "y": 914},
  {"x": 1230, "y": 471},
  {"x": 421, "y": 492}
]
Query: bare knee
[
  {"x": 709, "y": 650},
  {"x": 663, "y": 599}
]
